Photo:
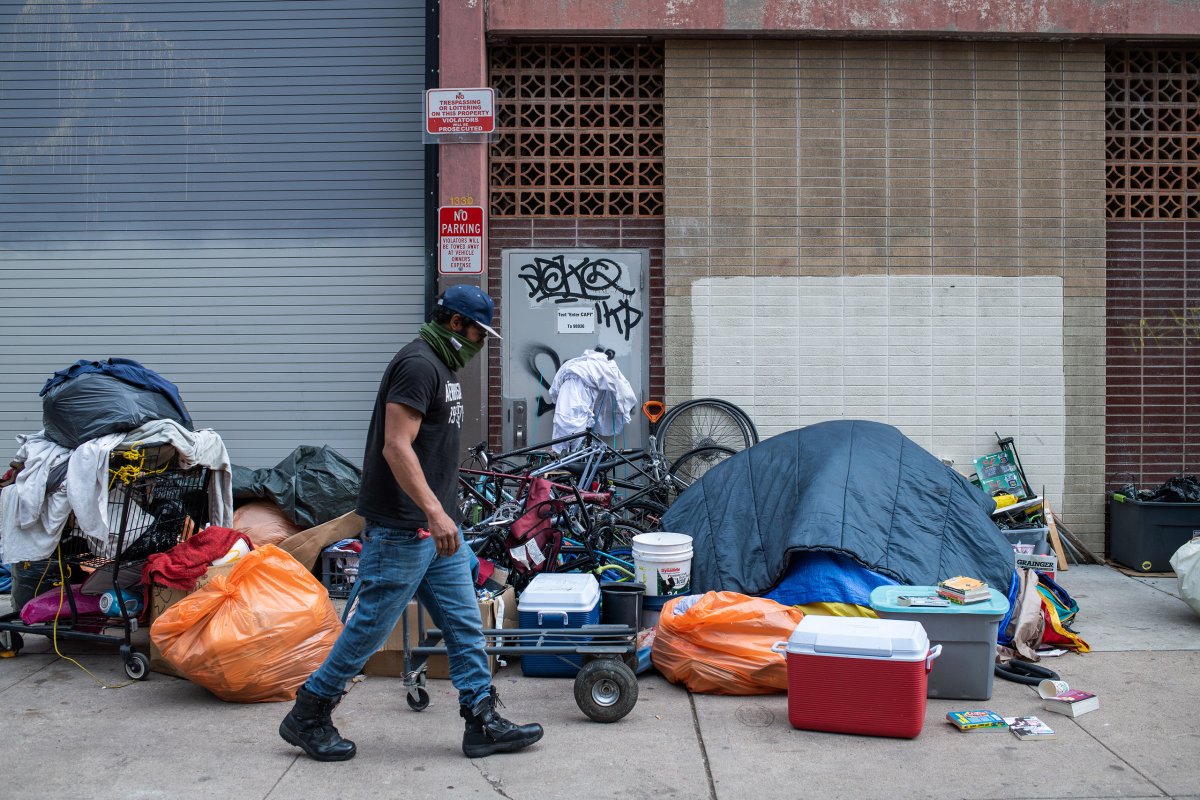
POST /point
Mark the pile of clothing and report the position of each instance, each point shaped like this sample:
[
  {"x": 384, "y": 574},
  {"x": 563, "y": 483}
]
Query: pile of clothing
[{"x": 90, "y": 410}]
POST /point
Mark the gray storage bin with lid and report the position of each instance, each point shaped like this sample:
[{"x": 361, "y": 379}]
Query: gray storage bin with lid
[
  {"x": 966, "y": 633},
  {"x": 1038, "y": 537}
]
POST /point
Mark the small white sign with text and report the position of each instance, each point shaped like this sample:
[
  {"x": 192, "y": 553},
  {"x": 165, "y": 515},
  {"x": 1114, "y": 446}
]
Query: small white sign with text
[{"x": 576, "y": 320}]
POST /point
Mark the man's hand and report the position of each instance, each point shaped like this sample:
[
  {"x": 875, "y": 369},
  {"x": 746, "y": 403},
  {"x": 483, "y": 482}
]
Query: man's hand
[{"x": 445, "y": 534}]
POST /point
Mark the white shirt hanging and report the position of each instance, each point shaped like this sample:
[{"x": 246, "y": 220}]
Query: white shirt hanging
[{"x": 590, "y": 392}]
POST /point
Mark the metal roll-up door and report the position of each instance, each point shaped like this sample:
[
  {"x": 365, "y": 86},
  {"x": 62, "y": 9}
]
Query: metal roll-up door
[{"x": 228, "y": 191}]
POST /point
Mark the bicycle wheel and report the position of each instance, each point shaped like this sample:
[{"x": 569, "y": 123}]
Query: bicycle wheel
[
  {"x": 614, "y": 558},
  {"x": 615, "y": 538},
  {"x": 706, "y": 422},
  {"x": 693, "y": 465},
  {"x": 644, "y": 514}
]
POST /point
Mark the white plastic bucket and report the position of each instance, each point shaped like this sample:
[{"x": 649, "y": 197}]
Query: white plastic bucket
[{"x": 663, "y": 562}]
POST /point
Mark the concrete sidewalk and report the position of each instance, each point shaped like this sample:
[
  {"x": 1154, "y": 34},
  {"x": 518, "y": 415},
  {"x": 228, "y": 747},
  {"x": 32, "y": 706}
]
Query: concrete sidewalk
[{"x": 66, "y": 737}]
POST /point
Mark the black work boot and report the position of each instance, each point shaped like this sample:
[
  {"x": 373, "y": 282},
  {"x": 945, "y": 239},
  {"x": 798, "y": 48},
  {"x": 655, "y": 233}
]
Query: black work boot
[
  {"x": 309, "y": 727},
  {"x": 487, "y": 732}
]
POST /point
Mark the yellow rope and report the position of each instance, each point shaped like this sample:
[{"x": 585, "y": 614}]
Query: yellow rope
[
  {"x": 62, "y": 596},
  {"x": 129, "y": 473}
]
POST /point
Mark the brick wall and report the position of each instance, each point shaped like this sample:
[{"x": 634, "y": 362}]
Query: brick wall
[
  {"x": 904, "y": 231},
  {"x": 613, "y": 232},
  {"x": 1154, "y": 351}
]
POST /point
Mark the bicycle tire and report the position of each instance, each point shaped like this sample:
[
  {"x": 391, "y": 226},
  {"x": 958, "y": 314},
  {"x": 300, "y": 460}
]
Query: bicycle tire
[
  {"x": 614, "y": 537},
  {"x": 644, "y": 514},
  {"x": 701, "y": 423},
  {"x": 694, "y": 464}
]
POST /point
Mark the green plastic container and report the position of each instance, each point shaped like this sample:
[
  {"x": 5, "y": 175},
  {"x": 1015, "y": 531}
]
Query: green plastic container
[{"x": 967, "y": 635}]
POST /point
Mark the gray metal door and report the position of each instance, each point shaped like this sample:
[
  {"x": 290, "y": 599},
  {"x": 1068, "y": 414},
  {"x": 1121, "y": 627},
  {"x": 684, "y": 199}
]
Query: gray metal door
[
  {"x": 557, "y": 305},
  {"x": 229, "y": 192}
]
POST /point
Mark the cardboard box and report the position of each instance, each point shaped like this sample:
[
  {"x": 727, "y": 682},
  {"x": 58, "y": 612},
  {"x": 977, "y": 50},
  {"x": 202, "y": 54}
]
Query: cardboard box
[
  {"x": 306, "y": 546},
  {"x": 389, "y": 661},
  {"x": 162, "y": 598}
]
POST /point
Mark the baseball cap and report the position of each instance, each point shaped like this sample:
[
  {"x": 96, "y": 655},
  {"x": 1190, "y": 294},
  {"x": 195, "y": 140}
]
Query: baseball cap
[{"x": 473, "y": 303}]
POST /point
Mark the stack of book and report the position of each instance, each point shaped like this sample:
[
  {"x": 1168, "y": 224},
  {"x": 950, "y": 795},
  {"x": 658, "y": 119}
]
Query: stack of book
[{"x": 963, "y": 590}]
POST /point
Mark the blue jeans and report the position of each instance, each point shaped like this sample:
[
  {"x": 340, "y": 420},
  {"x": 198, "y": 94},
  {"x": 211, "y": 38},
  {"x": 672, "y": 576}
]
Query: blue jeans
[{"x": 395, "y": 565}]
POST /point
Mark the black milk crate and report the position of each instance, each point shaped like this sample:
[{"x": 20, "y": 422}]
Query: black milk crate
[{"x": 339, "y": 571}]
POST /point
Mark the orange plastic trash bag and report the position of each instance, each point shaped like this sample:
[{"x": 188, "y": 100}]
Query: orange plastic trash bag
[
  {"x": 254, "y": 635},
  {"x": 721, "y": 643}
]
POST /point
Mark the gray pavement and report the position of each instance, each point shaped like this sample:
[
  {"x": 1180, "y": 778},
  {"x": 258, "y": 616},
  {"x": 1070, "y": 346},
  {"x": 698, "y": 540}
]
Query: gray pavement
[{"x": 65, "y": 736}]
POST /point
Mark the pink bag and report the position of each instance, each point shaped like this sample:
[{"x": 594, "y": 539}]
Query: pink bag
[{"x": 55, "y": 603}]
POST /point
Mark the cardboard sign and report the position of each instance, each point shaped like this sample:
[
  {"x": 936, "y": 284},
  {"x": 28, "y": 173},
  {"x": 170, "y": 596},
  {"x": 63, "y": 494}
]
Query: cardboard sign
[
  {"x": 459, "y": 111},
  {"x": 460, "y": 240},
  {"x": 1040, "y": 563}
]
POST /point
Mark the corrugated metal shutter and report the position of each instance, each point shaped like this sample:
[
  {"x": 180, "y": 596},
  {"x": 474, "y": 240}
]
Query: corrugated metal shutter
[{"x": 229, "y": 192}]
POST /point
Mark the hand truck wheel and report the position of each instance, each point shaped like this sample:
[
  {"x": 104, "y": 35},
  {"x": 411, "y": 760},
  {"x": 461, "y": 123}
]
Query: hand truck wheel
[
  {"x": 418, "y": 699},
  {"x": 137, "y": 666},
  {"x": 11, "y": 643},
  {"x": 606, "y": 689}
]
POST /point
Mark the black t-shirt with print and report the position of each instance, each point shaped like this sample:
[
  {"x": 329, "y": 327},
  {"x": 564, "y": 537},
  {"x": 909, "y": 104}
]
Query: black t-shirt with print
[{"x": 417, "y": 378}]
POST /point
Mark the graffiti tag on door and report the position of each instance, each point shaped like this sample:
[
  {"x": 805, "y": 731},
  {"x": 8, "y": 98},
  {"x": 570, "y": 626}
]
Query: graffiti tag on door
[{"x": 600, "y": 281}]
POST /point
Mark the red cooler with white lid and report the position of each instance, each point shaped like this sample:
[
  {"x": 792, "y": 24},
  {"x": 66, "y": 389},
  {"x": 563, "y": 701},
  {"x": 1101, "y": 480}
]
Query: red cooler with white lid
[{"x": 858, "y": 675}]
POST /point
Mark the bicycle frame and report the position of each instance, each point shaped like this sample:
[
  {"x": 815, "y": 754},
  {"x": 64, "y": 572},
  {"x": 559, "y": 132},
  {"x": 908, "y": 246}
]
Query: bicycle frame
[{"x": 597, "y": 457}]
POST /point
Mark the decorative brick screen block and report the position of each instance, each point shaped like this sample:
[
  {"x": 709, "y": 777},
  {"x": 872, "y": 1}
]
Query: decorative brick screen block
[
  {"x": 580, "y": 131},
  {"x": 1152, "y": 105}
]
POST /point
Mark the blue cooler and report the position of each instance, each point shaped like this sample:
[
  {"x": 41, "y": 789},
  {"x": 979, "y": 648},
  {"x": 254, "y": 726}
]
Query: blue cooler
[{"x": 557, "y": 600}]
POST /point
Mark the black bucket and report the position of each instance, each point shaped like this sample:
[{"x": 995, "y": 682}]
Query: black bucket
[{"x": 621, "y": 603}]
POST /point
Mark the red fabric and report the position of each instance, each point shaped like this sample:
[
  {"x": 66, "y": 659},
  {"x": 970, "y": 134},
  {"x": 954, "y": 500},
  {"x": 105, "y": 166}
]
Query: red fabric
[
  {"x": 532, "y": 538},
  {"x": 182, "y": 565}
]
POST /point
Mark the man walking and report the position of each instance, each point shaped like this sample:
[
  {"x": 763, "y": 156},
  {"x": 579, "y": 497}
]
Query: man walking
[{"x": 411, "y": 541}]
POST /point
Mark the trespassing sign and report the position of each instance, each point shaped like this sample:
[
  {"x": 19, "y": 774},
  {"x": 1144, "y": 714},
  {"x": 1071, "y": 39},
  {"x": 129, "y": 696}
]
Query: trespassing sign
[{"x": 459, "y": 111}]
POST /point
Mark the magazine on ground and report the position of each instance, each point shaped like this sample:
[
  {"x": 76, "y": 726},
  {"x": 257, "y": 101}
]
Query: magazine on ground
[{"x": 1029, "y": 728}]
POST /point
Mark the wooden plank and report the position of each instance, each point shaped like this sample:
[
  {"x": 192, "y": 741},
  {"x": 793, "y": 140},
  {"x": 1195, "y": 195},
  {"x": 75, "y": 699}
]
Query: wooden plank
[{"x": 1055, "y": 542}]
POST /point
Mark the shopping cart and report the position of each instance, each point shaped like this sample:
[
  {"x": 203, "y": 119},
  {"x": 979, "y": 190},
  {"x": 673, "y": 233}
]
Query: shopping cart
[{"x": 153, "y": 504}]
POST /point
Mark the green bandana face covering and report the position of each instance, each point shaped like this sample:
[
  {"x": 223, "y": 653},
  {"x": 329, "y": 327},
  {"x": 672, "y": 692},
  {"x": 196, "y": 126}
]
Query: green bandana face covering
[{"x": 454, "y": 349}]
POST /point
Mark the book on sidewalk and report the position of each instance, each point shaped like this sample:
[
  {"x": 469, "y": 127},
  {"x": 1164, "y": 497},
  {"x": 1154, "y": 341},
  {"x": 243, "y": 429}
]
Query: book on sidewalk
[
  {"x": 922, "y": 601},
  {"x": 977, "y": 719},
  {"x": 1071, "y": 703},
  {"x": 1029, "y": 728}
]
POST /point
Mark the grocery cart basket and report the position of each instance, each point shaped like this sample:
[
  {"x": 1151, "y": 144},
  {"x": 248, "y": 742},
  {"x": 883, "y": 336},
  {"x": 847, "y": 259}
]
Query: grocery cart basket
[{"x": 153, "y": 504}]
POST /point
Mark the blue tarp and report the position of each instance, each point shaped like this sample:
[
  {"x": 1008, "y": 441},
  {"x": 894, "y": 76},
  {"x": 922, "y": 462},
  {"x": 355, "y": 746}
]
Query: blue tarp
[
  {"x": 855, "y": 488},
  {"x": 821, "y": 577}
]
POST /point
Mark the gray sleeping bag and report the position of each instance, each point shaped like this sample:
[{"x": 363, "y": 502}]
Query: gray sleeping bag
[{"x": 854, "y": 487}]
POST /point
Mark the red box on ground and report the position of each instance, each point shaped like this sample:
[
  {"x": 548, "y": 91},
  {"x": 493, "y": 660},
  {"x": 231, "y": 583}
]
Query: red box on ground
[{"x": 858, "y": 675}]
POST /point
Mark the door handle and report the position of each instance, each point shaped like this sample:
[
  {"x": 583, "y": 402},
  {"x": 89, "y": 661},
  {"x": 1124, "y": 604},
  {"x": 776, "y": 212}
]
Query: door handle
[{"x": 520, "y": 413}]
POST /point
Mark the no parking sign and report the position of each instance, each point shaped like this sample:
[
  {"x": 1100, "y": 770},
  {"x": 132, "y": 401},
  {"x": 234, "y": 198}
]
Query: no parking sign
[{"x": 460, "y": 239}]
